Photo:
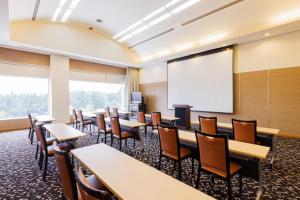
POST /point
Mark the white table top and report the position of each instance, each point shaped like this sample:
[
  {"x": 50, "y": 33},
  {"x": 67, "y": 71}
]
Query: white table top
[
  {"x": 261, "y": 130},
  {"x": 127, "y": 123},
  {"x": 164, "y": 117},
  {"x": 236, "y": 147},
  {"x": 44, "y": 118},
  {"x": 63, "y": 132},
  {"x": 119, "y": 111},
  {"x": 130, "y": 179}
]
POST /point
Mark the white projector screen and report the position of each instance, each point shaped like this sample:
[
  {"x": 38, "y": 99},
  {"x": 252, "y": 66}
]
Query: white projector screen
[{"x": 204, "y": 82}]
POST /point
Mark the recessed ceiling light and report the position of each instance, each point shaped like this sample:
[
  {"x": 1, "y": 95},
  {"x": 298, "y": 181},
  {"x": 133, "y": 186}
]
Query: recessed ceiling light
[
  {"x": 184, "y": 6},
  {"x": 171, "y": 3},
  {"x": 267, "y": 34},
  {"x": 55, "y": 15},
  {"x": 74, "y": 4},
  {"x": 125, "y": 37},
  {"x": 156, "y": 12},
  {"x": 66, "y": 15},
  {"x": 160, "y": 19},
  {"x": 140, "y": 29},
  {"x": 134, "y": 25}
]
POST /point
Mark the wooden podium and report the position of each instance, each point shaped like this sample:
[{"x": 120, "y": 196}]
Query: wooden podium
[{"x": 184, "y": 113}]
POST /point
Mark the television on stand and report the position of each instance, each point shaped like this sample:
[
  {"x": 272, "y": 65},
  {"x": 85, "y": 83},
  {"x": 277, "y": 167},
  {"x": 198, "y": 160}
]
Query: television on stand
[{"x": 136, "y": 97}]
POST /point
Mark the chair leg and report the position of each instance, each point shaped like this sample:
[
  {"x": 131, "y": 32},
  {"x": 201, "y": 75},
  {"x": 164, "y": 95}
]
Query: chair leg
[
  {"x": 29, "y": 133},
  {"x": 133, "y": 143},
  {"x": 31, "y": 137},
  {"x": 241, "y": 184},
  {"x": 159, "y": 161},
  {"x": 198, "y": 177},
  {"x": 36, "y": 151},
  {"x": 174, "y": 166},
  {"x": 126, "y": 142},
  {"x": 45, "y": 167},
  {"x": 192, "y": 166},
  {"x": 120, "y": 144},
  {"x": 179, "y": 170},
  {"x": 111, "y": 140},
  {"x": 98, "y": 136},
  {"x": 145, "y": 129},
  {"x": 229, "y": 188},
  {"x": 82, "y": 129},
  {"x": 105, "y": 138},
  {"x": 41, "y": 159}
]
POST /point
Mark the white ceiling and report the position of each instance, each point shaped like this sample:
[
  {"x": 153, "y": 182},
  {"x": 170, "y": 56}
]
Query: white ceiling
[{"x": 117, "y": 15}]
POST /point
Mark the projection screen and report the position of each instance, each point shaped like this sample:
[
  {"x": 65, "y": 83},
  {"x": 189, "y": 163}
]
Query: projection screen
[{"x": 204, "y": 82}]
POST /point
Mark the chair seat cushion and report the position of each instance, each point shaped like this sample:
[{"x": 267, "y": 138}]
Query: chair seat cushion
[
  {"x": 234, "y": 168},
  {"x": 50, "y": 140},
  {"x": 125, "y": 134},
  {"x": 93, "y": 182},
  {"x": 183, "y": 154},
  {"x": 108, "y": 131},
  {"x": 62, "y": 146},
  {"x": 87, "y": 121}
]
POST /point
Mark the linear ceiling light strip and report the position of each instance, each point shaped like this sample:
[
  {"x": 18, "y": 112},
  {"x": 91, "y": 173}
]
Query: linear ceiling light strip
[
  {"x": 35, "y": 11},
  {"x": 151, "y": 38},
  {"x": 211, "y": 12}
]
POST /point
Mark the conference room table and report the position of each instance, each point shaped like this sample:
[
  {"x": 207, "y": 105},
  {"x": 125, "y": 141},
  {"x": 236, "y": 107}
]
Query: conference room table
[
  {"x": 123, "y": 113},
  {"x": 63, "y": 132},
  {"x": 171, "y": 119},
  {"x": 258, "y": 152},
  {"x": 260, "y": 130},
  {"x": 44, "y": 118},
  {"x": 128, "y": 178}
]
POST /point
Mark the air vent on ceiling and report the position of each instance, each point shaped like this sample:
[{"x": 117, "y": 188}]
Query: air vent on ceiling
[
  {"x": 211, "y": 12},
  {"x": 35, "y": 11},
  {"x": 99, "y": 20},
  {"x": 152, "y": 38}
]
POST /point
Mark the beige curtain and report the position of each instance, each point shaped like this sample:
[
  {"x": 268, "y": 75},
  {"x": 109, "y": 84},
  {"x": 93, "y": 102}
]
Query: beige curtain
[{"x": 131, "y": 85}]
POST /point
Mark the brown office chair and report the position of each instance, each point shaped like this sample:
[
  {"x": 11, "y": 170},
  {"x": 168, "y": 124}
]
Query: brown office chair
[
  {"x": 142, "y": 119},
  {"x": 86, "y": 189},
  {"x": 214, "y": 158},
  {"x": 46, "y": 150},
  {"x": 115, "y": 112},
  {"x": 170, "y": 147},
  {"x": 75, "y": 118},
  {"x": 119, "y": 134},
  {"x": 107, "y": 112},
  {"x": 100, "y": 120},
  {"x": 67, "y": 176},
  {"x": 31, "y": 127},
  {"x": 244, "y": 131},
  {"x": 83, "y": 122},
  {"x": 156, "y": 120},
  {"x": 208, "y": 124}
]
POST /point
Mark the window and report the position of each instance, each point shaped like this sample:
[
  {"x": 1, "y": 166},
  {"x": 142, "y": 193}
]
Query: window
[
  {"x": 19, "y": 95},
  {"x": 90, "y": 96}
]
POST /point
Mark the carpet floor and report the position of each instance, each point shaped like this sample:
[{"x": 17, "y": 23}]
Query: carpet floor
[{"x": 20, "y": 177}]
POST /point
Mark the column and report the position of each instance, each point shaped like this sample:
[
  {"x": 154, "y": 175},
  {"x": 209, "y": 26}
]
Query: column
[{"x": 4, "y": 21}]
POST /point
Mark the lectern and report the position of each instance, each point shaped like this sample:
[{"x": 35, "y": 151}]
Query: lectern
[{"x": 184, "y": 113}]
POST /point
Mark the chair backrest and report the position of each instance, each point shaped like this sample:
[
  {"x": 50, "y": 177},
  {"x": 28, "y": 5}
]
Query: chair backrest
[
  {"x": 115, "y": 126},
  {"x": 87, "y": 192},
  {"x": 208, "y": 124},
  {"x": 213, "y": 151},
  {"x": 115, "y": 112},
  {"x": 156, "y": 118},
  {"x": 31, "y": 122},
  {"x": 40, "y": 135},
  {"x": 100, "y": 119},
  {"x": 244, "y": 131},
  {"x": 80, "y": 116},
  {"x": 169, "y": 140},
  {"x": 74, "y": 115},
  {"x": 141, "y": 117},
  {"x": 107, "y": 112},
  {"x": 66, "y": 173}
]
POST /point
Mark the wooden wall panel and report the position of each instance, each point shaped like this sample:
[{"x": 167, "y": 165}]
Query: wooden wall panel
[
  {"x": 18, "y": 56},
  {"x": 272, "y": 97},
  {"x": 95, "y": 67},
  {"x": 285, "y": 99}
]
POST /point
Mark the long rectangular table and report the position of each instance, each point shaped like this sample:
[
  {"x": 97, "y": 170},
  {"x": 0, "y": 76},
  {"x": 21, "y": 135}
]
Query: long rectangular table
[
  {"x": 165, "y": 117},
  {"x": 44, "y": 118},
  {"x": 239, "y": 148},
  {"x": 63, "y": 132},
  {"x": 131, "y": 179}
]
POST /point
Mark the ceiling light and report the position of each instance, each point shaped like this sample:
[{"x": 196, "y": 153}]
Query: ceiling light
[
  {"x": 140, "y": 30},
  {"x": 171, "y": 3},
  {"x": 119, "y": 34},
  {"x": 160, "y": 19},
  {"x": 125, "y": 37},
  {"x": 156, "y": 12},
  {"x": 55, "y": 15},
  {"x": 288, "y": 16},
  {"x": 164, "y": 53},
  {"x": 134, "y": 25},
  {"x": 184, "y": 47},
  {"x": 146, "y": 58},
  {"x": 66, "y": 15},
  {"x": 267, "y": 34},
  {"x": 61, "y": 3},
  {"x": 184, "y": 6},
  {"x": 74, "y": 4},
  {"x": 213, "y": 38}
]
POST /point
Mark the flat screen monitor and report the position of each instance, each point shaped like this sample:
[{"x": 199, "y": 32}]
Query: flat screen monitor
[{"x": 136, "y": 97}]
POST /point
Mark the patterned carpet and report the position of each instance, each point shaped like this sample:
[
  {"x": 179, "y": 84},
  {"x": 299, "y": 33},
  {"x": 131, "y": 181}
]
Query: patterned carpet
[{"x": 20, "y": 177}]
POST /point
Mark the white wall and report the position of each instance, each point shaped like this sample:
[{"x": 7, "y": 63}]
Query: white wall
[
  {"x": 72, "y": 39},
  {"x": 270, "y": 53},
  {"x": 4, "y": 20},
  {"x": 59, "y": 88}
]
